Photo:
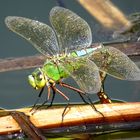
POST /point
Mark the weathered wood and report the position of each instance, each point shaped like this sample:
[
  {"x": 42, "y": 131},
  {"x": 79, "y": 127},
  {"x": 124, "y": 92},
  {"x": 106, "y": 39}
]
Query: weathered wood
[{"x": 78, "y": 115}]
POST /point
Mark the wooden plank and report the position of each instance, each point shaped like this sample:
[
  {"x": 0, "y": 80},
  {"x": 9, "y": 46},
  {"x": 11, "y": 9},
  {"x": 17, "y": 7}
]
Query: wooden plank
[{"x": 76, "y": 115}]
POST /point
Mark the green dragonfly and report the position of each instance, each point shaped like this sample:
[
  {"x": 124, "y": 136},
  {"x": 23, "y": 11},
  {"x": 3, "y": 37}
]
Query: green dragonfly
[{"x": 66, "y": 48}]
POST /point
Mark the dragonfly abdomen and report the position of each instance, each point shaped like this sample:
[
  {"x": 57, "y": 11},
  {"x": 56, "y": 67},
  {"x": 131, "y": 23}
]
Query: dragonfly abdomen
[{"x": 84, "y": 52}]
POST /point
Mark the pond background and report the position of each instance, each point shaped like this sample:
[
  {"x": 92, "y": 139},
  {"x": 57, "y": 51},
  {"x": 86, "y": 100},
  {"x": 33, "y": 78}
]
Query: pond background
[{"x": 15, "y": 92}]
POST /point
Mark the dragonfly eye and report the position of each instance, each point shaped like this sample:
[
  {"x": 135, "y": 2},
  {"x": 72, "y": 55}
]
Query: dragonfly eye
[
  {"x": 32, "y": 80},
  {"x": 40, "y": 76}
]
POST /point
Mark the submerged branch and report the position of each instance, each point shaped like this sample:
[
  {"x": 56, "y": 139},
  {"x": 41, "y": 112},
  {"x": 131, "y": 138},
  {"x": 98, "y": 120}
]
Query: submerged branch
[{"x": 11, "y": 64}]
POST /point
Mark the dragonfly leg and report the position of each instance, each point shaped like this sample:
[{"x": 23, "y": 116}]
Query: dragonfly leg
[
  {"x": 49, "y": 93},
  {"x": 64, "y": 111},
  {"x": 70, "y": 87},
  {"x": 104, "y": 98},
  {"x": 52, "y": 98},
  {"x": 48, "y": 97},
  {"x": 60, "y": 92},
  {"x": 81, "y": 93},
  {"x": 92, "y": 104},
  {"x": 39, "y": 95}
]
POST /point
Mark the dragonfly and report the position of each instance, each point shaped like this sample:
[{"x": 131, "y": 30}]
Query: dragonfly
[{"x": 66, "y": 46}]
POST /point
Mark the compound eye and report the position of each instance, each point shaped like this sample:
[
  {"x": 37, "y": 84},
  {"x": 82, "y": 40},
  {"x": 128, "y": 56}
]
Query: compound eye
[
  {"x": 31, "y": 80},
  {"x": 40, "y": 76}
]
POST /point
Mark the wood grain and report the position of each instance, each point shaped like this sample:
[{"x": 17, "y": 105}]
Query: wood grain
[{"x": 76, "y": 115}]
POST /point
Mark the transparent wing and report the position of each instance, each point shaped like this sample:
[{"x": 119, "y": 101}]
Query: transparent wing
[
  {"x": 40, "y": 35},
  {"x": 72, "y": 31},
  {"x": 115, "y": 63},
  {"x": 84, "y": 72}
]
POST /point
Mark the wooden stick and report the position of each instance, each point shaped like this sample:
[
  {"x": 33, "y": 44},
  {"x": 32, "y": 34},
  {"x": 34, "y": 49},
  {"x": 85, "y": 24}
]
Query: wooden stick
[
  {"x": 77, "y": 115},
  {"x": 106, "y": 13}
]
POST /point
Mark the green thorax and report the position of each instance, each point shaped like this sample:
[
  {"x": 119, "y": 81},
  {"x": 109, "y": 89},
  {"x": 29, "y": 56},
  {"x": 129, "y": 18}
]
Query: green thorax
[
  {"x": 60, "y": 67},
  {"x": 55, "y": 69}
]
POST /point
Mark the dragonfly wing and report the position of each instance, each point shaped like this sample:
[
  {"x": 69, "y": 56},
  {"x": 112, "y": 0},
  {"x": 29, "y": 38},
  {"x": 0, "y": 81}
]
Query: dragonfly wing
[
  {"x": 72, "y": 31},
  {"x": 115, "y": 63},
  {"x": 40, "y": 35},
  {"x": 84, "y": 72}
]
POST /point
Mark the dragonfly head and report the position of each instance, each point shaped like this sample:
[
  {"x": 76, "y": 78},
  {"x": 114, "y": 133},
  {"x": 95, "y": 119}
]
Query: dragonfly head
[{"x": 37, "y": 79}]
